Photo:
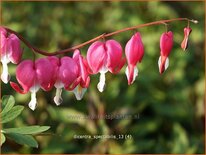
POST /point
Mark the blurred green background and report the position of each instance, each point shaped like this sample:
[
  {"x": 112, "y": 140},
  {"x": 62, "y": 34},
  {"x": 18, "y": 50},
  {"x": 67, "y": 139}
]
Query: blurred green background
[{"x": 170, "y": 106}]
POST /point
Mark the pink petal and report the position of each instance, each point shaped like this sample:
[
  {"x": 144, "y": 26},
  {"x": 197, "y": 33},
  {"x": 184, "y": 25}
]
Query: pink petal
[
  {"x": 131, "y": 74},
  {"x": 85, "y": 79},
  {"x": 68, "y": 71},
  {"x": 184, "y": 43},
  {"x": 14, "y": 49},
  {"x": 134, "y": 49},
  {"x": 119, "y": 67},
  {"x": 55, "y": 64},
  {"x": 26, "y": 76},
  {"x": 96, "y": 56},
  {"x": 114, "y": 53},
  {"x": 3, "y": 42},
  {"x": 73, "y": 85},
  {"x": 166, "y": 43},
  {"x": 76, "y": 55},
  {"x": 162, "y": 64},
  {"x": 16, "y": 87},
  {"x": 45, "y": 73}
]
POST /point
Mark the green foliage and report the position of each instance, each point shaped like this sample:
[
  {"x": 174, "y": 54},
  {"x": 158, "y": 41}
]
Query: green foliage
[
  {"x": 11, "y": 114},
  {"x": 170, "y": 106},
  {"x": 21, "y": 135},
  {"x": 27, "y": 130},
  {"x": 23, "y": 139}
]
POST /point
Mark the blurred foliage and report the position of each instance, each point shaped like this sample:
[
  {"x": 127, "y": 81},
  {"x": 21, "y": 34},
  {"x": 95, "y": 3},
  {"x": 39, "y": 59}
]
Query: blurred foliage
[
  {"x": 170, "y": 106},
  {"x": 20, "y": 135}
]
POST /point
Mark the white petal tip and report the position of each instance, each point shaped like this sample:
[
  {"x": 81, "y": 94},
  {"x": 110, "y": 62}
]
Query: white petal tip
[
  {"x": 32, "y": 105},
  {"x": 100, "y": 87},
  {"x": 33, "y": 102},
  {"x": 58, "y": 100},
  {"x": 5, "y": 78},
  {"x": 79, "y": 92}
]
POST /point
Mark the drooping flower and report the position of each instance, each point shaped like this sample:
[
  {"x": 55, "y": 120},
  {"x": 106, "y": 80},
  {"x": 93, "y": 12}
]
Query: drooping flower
[
  {"x": 67, "y": 75},
  {"x": 10, "y": 51},
  {"x": 134, "y": 51},
  {"x": 81, "y": 88},
  {"x": 32, "y": 76},
  {"x": 184, "y": 44},
  {"x": 103, "y": 57},
  {"x": 166, "y": 43}
]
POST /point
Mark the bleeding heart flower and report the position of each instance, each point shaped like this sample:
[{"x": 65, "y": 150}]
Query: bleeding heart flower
[
  {"x": 103, "y": 57},
  {"x": 134, "y": 51},
  {"x": 10, "y": 51},
  {"x": 81, "y": 88},
  {"x": 187, "y": 31},
  {"x": 32, "y": 76},
  {"x": 166, "y": 43},
  {"x": 67, "y": 75}
]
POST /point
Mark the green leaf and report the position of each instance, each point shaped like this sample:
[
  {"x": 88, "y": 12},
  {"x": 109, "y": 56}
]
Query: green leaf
[
  {"x": 7, "y": 103},
  {"x": 12, "y": 114},
  {"x": 23, "y": 139},
  {"x": 3, "y": 139},
  {"x": 27, "y": 130}
]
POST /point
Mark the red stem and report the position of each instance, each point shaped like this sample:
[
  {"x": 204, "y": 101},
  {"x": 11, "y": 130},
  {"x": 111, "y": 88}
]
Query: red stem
[{"x": 34, "y": 49}]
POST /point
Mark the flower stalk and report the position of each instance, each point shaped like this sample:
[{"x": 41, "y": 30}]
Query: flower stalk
[{"x": 104, "y": 35}]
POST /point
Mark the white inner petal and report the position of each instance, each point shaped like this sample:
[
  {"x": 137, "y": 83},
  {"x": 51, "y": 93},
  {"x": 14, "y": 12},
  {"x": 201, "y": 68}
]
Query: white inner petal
[
  {"x": 79, "y": 92},
  {"x": 33, "y": 102},
  {"x": 134, "y": 75},
  {"x": 5, "y": 77},
  {"x": 58, "y": 99},
  {"x": 127, "y": 72},
  {"x": 102, "y": 79},
  {"x": 166, "y": 63},
  {"x": 101, "y": 84}
]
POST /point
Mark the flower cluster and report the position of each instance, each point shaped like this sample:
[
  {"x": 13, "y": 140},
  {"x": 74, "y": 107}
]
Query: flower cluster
[{"x": 73, "y": 74}]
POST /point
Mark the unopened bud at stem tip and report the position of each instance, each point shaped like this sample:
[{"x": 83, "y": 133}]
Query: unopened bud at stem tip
[{"x": 194, "y": 21}]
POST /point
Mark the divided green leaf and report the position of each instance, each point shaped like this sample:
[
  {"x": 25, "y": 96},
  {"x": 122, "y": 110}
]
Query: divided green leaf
[
  {"x": 23, "y": 139},
  {"x": 12, "y": 114},
  {"x": 7, "y": 103},
  {"x": 27, "y": 130}
]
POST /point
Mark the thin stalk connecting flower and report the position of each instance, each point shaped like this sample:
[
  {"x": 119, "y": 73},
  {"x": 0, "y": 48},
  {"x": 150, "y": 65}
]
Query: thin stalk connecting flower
[{"x": 104, "y": 35}]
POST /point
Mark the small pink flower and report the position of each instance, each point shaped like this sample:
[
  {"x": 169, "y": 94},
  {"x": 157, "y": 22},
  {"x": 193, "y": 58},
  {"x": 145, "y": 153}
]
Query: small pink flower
[
  {"x": 10, "y": 51},
  {"x": 166, "y": 43},
  {"x": 187, "y": 31},
  {"x": 103, "y": 57},
  {"x": 81, "y": 88},
  {"x": 67, "y": 75},
  {"x": 32, "y": 76},
  {"x": 134, "y": 51}
]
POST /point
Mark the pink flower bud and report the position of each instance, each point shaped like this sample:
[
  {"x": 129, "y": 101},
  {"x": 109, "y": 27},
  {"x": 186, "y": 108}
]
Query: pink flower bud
[
  {"x": 32, "y": 76},
  {"x": 81, "y": 88},
  {"x": 166, "y": 43},
  {"x": 187, "y": 31},
  {"x": 134, "y": 51},
  {"x": 103, "y": 57},
  {"x": 67, "y": 75},
  {"x": 10, "y": 51}
]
